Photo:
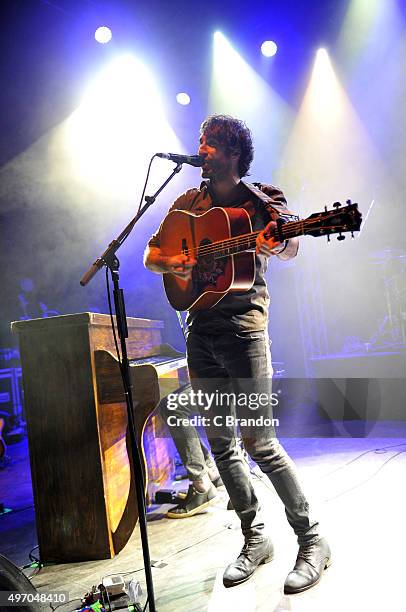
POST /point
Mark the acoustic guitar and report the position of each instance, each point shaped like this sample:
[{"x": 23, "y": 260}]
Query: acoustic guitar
[{"x": 223, "y": 244}]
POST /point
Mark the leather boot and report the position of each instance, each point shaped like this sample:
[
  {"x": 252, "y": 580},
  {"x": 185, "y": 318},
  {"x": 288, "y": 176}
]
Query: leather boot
[
  {"x": 253, "y": 553},
  {"x": 311, "y": 561}
]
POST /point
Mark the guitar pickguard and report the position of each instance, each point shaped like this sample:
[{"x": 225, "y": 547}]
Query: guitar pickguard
[{"x": 207, "y": 270}]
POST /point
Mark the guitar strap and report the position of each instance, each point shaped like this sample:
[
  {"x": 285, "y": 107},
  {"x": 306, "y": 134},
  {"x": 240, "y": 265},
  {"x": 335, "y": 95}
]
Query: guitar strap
[{"x": 279, "y": 209}]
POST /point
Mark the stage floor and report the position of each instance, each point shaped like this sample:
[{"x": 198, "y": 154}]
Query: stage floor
[{"x": 356, "y": 491}]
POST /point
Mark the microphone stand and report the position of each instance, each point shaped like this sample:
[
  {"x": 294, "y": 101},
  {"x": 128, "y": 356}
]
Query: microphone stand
[{"x": 109, "y": 259}]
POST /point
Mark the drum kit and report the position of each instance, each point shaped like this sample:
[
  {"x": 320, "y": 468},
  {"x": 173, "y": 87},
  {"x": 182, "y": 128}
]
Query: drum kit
[{"x": 391, "y": 332}]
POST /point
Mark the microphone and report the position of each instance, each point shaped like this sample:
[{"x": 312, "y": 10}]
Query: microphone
[{"x": 193, "y": 160}]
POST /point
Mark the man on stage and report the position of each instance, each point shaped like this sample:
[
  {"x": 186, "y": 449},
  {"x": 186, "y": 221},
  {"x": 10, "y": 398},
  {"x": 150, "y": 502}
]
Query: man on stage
[{"x": 228, "y": 345}]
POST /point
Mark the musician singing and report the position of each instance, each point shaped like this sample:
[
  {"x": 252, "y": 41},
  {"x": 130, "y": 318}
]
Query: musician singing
[{"x": 228, "y": 347}]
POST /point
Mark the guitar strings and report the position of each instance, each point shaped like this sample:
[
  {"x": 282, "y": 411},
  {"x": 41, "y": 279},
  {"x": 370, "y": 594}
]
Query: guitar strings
[
  {"x": 290, "y": 230},
  {"x": 239, "y": 241},
  {"x": 230, "y": 244}
]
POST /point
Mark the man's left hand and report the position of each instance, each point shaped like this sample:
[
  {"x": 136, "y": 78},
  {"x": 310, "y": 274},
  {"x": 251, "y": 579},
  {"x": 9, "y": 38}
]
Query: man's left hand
[{"x": 267, "y": 244}]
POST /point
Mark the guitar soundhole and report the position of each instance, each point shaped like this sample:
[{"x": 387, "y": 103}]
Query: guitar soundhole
[{"x": 208, "y": 269}]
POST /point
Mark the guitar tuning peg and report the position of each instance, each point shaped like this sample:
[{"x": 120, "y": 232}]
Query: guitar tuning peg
[
  {"x": 328, "y": 237},
  {"x": 325, "y": 208},
  {"x": 348, "y": 202},
  {"x": 352, "y": 234},
  {"x": 336, "y": 205},
  {"x": 340, "y": 237}
]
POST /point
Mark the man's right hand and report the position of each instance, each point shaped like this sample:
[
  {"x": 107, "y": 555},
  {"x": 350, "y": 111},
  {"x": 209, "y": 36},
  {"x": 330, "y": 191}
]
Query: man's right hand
[{"x": 180, "y": 265}]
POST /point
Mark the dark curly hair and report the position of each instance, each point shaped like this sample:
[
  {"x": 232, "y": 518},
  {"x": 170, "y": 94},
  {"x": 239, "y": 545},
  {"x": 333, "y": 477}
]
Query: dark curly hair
[{"x": 231, "y": 133}]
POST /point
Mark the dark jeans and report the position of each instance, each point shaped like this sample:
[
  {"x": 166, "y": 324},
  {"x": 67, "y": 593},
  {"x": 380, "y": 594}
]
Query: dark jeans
[
  {"x": 194, "y": 454},
  {"x": 241, "y": 365}
]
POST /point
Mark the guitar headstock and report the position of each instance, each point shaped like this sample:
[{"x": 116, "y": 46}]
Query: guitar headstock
[{"x": 338, "y": 221}]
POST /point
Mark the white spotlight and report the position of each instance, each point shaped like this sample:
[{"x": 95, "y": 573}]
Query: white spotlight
[
  {"x": 183, "y": 98},
  {"x": 322, "y": 54},
  {"x": 269, "y": 48},
  {"x": 325, "y": 95},
  {"x": 103, "y": 35},
  {"x": 119, "y": 124}
]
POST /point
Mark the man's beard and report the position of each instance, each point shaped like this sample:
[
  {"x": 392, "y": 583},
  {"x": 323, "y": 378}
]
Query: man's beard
[{"x": 217, "y": 171}]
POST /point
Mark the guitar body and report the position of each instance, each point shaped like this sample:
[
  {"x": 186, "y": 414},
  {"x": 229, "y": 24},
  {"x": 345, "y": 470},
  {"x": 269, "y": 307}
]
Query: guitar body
[{"x": 212, "y": 277}]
